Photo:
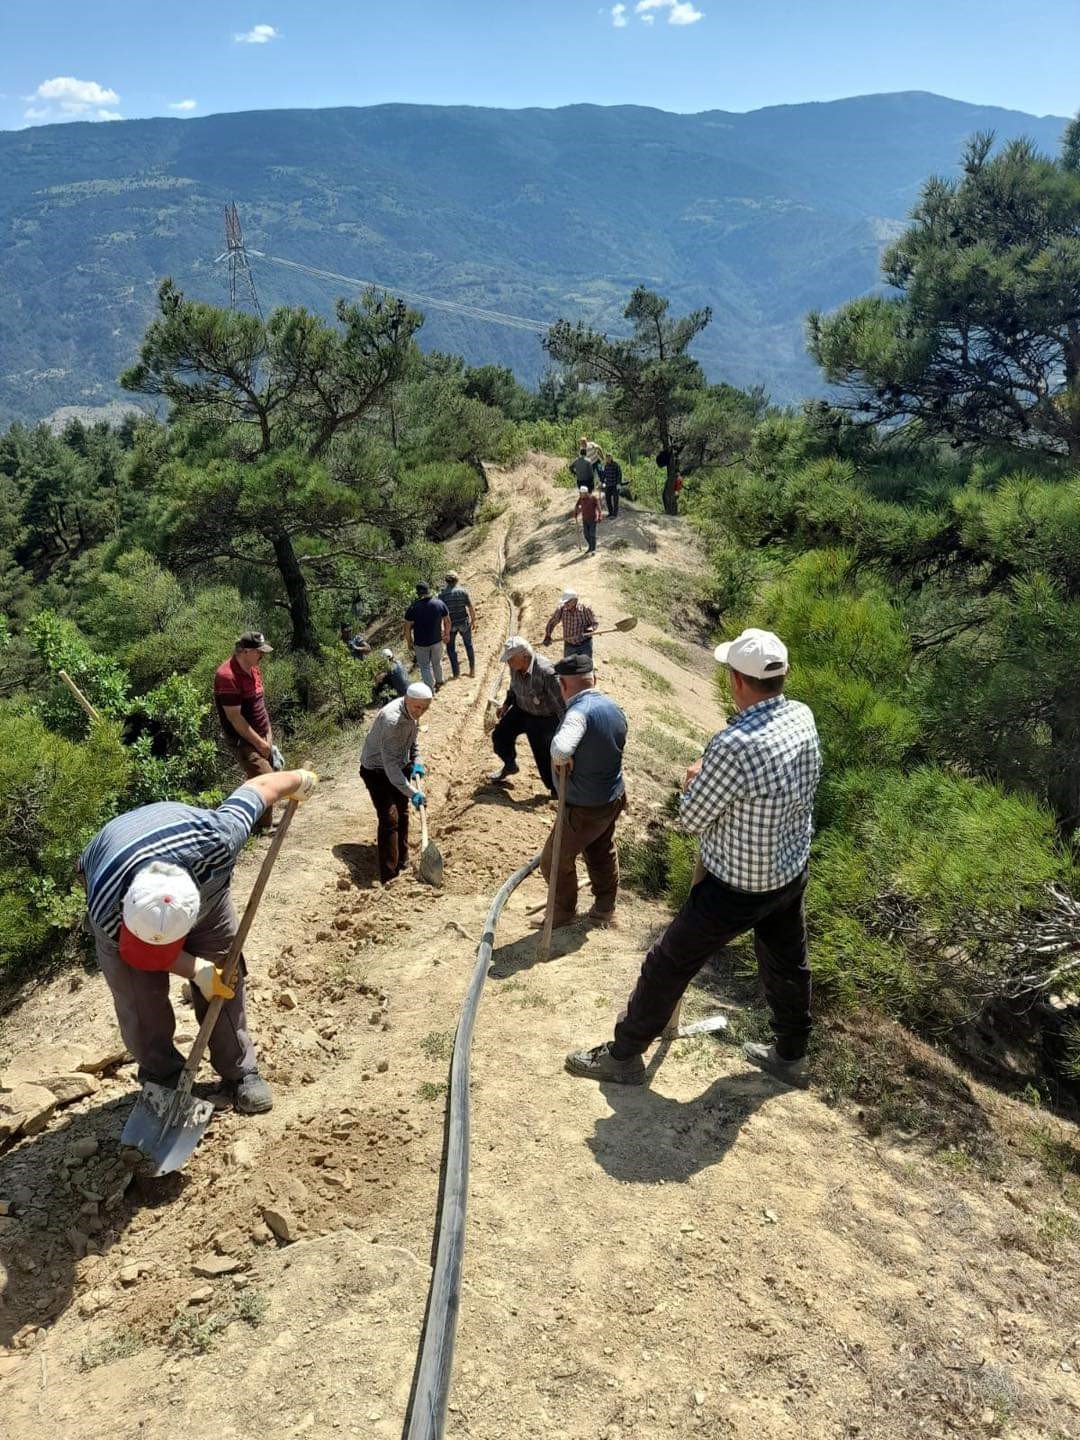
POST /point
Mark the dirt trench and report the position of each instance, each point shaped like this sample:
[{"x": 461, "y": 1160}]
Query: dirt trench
[{"x": 712, "y": 1255}]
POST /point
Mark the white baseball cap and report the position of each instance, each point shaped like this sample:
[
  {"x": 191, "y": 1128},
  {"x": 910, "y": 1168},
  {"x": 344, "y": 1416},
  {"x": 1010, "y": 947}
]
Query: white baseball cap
[
  {"x": 160, "y": 908},
  {"x": 389, "y": 654},
  {"x": 419, "y": 691},
  {"x": 757, "y": 653},
  {"x": 515, "y": 645},
  {"x": 584, "y": 489},
  {"x": 567, "y": 595}
]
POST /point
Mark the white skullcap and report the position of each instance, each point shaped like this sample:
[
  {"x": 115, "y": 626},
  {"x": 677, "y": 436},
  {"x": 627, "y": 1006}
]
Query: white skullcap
[
  {"x": 567, "y": 595},
  {"x": 419, "y": 691},
  {"x": 584, "y": 489},
  {"x": 389, "y": 654}
]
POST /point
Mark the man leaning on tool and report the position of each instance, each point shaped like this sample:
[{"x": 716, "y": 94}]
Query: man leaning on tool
[
  {"x": 241, "y": 707},
  {"x": 158, "y": 901},
  {"x": 533, "y": 707},
  {"x": 750, "y": 799},
  {"x": 587, "y": 750},
  {"x": 390, "y": 767},
  {"x": 579, "y": 624}
]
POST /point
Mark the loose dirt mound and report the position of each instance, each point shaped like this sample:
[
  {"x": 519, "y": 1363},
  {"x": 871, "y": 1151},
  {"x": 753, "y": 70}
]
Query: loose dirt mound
[{"x": 712, "y": 1255}]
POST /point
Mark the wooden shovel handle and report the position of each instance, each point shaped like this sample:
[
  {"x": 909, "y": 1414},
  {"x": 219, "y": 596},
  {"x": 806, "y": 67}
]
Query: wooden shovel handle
[
  {"x": 79, "y": 696},
  {"x": 544, "y": 948},
  {"x": 423, "y": 829},
  {"x": 232, "y": 960}
]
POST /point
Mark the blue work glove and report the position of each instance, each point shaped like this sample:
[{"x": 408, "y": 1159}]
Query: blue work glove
[
  {"x": 416, "y": 770},
  {"x": 418, "y": 798}
]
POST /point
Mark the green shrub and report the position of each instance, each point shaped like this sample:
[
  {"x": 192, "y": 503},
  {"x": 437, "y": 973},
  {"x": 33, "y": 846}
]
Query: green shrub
[{"x": 54, "y": 794}]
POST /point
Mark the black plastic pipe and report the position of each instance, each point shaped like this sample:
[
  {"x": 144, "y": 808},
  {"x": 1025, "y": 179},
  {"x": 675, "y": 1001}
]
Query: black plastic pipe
[{"x": 431, "y": 1388}]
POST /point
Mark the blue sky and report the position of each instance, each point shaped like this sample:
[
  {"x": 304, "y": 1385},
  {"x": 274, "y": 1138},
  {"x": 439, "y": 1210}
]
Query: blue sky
[{"x": 103, "y": 59}]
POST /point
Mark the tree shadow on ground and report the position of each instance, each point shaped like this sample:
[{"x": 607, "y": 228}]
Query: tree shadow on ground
[
  {"x": 61, "y": 1207},
  {"x": 649, "y": 1137},
  {"x": 361, "y": 861}
]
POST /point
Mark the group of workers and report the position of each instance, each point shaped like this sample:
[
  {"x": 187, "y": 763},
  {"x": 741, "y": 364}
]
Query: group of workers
[
  {"x": 595, "y": 472},
  {"x": 157, "y": 879}
]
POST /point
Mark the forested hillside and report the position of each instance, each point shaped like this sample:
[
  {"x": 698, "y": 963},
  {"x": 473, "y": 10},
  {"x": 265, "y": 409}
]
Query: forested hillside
[{"x": 540, "y": 213}]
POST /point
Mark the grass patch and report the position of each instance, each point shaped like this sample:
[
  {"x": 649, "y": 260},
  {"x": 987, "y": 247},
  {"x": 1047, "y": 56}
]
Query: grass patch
[
  {"x": 535, "y": 1000},
  {"x": 119, "y": 1346},
  {"x": 431, "y": 1090},
  {"x": 251, "y": 1307},
  {"x": 650, "y": 678},
  {"x": 677, "y": 721},
  {"x": 438, "y": 1044},
  {"x": 490, "y": 508},
  {"x": 663, "y": 596},
  {"x": 198, "y": 1331},
  {"x": 1059, "y": 1158},
  {"x": 672, "y": 650},
  {"x": 665, "y": 746}
]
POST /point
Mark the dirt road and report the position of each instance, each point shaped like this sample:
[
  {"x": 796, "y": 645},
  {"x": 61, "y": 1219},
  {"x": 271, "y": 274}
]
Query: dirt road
[{"x": 712, "y": 1255}]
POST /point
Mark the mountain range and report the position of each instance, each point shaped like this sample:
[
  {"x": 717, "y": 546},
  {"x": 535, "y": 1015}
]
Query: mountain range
[{"x": 535, "y": 213}]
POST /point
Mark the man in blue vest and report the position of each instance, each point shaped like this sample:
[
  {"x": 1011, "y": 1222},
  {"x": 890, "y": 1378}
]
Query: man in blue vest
[{"x": 587, "y": 752}]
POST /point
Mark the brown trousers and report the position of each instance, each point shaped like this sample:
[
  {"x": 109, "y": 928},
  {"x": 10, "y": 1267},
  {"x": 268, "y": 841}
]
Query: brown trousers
[
  {"x": 588, "y": 830},
  {"x": 252, "y": 764},
  {"x": 392, "y": 809}
]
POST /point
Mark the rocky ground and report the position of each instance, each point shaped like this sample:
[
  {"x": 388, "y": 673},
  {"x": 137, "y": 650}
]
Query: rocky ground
[{"x": 713, "y": 1255}]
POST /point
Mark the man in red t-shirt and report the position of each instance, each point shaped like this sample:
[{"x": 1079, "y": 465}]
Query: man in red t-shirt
[
  {"x": 588, "y": 507},
  {"x": 241, "y": 707}
]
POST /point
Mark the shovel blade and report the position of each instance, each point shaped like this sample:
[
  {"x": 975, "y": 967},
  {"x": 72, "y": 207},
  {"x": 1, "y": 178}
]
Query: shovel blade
[
  {"x": 630, "y": 623},
  {"x": 431, "y": 864},
  {"x": 165, "y": 1126}
]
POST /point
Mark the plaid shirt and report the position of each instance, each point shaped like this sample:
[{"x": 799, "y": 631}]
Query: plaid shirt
[
  {"x": 752, "y": 804},
  {"x": 575, "y": 621}
]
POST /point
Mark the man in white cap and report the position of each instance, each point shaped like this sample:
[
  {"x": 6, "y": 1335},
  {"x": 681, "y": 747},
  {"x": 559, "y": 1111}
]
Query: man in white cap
[
  {"x": 533, "y": 707},
  {"x": 157, "y": 895},
  {"x": 394, "y": 680},
  {"x": 391, "y": 768},
  {"x": 750, "y": 800},
  {"x": 579, "y": 624}
]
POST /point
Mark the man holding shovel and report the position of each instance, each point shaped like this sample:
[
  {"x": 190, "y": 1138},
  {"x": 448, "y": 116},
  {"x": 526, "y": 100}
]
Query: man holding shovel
[
  {"x": 586, "y": 752},
  {"x": 533, "y": 707},
  {"x": 157, "y": 895},
  {"x": 579, "y": 625},
  {"x": 391, "y": 768},
  {"x": 750, "y": 799}
]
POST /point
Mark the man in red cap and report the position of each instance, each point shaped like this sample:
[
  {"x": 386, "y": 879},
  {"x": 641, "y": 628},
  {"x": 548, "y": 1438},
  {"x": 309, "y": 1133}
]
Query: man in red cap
[{"x": 157, "y": 893}]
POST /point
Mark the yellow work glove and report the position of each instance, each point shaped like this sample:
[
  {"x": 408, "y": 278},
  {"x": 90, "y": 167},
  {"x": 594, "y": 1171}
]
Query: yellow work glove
[
  {"x": 208, "y": 978},
  {"x": 306, "y": 788}
]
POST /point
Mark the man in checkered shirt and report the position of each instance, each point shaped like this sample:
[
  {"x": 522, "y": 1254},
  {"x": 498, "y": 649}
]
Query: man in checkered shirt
[
  {"x": 750, "y": 800},
  {"x": 579, "y": 624}
]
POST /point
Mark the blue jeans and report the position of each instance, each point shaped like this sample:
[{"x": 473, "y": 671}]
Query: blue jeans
[
  {"x": 465, "y": 631},
  {"x": 577, "y": 647}
]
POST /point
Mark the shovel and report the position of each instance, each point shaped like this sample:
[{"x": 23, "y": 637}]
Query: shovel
[
  {"x": 431, "y": 861},
  {"x": 166, "y": 1125},
  {"x": 629, "y": 623},
  {"x": 543, "y": 949}
]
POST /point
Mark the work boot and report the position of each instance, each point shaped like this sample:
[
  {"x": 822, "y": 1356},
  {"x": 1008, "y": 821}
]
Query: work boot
[
  {"x": 251, "y": 1095},
  {"x": 503, "y": 775},
  {"x": 472, "y": 672},
  {"x": 604, "y": 918},
  {"x": 791, "y": 1072},
  {"x": 599, "y": 1064},
  {"x": 559, "y": 920}
]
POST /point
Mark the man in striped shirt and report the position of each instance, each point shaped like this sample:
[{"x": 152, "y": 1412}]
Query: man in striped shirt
[
  {"x": 750, "y": 800},
  {"x": 462, "y": 622},
  {"x": 158, "y": 902},
  {"x": 579, "y": 624}
]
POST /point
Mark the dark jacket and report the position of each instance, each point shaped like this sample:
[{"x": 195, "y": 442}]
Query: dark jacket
[
  {"x": 612, "y": 475},
  {"x": 583, "y": 471},
  {"x": 536, "y": 690}
]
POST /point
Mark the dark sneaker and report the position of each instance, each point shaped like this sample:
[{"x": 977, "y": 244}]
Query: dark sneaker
[
  {"x": 599, "y": 1064},
  {"x": 502, "y": 776},
  {"x": 251, "y": 1095},
  {"x": 791, "y": 1072}
]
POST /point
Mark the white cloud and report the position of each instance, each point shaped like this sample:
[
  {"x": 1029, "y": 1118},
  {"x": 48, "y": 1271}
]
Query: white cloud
[
  {"x": 258, "y": 35},
  {"x": 679, "y": 12},
  {"x": 66, "y": 98},
  {"x": 618, "y": 17},
  {"x": 184, "y": 105}
]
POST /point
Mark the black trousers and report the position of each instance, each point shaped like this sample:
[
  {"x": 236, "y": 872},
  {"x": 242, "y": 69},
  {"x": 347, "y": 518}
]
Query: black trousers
[
  {"x": 713, "y": 915},
  {"x": 539, "y": 728},
  {"x": 611, "y": 496}
]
